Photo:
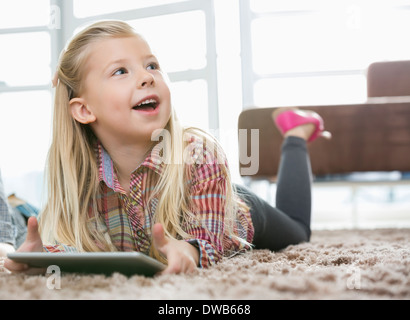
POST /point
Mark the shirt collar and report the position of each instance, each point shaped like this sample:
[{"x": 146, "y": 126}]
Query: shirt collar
[{"x": 106, "y": 169}]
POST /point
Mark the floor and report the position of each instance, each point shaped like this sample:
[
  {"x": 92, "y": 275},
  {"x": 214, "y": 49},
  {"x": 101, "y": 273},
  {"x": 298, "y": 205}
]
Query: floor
[{"x": 335, "y": 264}]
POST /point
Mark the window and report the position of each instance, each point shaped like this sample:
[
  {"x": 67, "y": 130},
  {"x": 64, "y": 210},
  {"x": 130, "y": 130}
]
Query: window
[
  {"x": 25, "y": 119},
  {"x": 24, "y": 13},
  {"x": 89, "y": 8},
  {"x": 317, "y": 52},
  {"x": 25, "y": 59},
  {"x": 190, "y": 101},
  {"x": 25, "y": 95}
]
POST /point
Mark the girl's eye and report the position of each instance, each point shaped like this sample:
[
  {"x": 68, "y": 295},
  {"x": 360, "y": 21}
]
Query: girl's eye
[
  {"x": 120, "y": 72},
  {"x": 153, "y": 66}
]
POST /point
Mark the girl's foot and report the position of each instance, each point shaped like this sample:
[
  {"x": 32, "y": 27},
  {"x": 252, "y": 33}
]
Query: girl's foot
[{"x": 307, "y": 125}]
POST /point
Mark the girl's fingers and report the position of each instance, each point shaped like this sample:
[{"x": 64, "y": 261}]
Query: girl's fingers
[
  {"x": 158, "y": 234},
  {"x": 32, "y": 243},
  {"x": 32, "y": 230},
  {"x": 179, "y": 264},
  {"x": 14, "y": 266}
]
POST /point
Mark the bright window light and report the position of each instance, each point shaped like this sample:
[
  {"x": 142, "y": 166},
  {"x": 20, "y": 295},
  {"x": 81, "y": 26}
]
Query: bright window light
[
  {"x": 310, "y": 91},
  {"x": 262, "y": 6},
  {"x": 190, "y": 101},
  {"x": 300, "y": 42},
  {"x": 96, "y": 7},
  {"x": 24, "y": 13},
  {"x": 303, "y": 43},
  {"x": 320, "y": 42},
  {"x": 25, "y": 59},
  {"x": 25, "y": 127}
]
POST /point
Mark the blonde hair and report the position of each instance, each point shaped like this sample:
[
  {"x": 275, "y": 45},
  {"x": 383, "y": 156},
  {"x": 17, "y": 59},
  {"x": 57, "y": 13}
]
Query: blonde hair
[{"x": 72, "y": 171}]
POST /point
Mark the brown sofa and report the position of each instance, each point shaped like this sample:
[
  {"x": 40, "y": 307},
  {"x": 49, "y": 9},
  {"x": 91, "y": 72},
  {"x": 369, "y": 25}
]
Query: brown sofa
[{"x": 369, "y": 137}]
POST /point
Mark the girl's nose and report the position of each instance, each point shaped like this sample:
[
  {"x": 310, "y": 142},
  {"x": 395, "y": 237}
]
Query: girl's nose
[{"x": 146, "y": 80}]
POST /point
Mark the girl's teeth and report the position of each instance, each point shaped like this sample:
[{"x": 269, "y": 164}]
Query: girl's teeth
[{"x": 147, "y": 102}]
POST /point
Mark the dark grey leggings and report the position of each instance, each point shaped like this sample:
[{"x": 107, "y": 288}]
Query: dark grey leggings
[{"x": 289, "y": 222}]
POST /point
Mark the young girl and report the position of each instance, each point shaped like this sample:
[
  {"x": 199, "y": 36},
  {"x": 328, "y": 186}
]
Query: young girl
[{"x": 123, "y": 175}]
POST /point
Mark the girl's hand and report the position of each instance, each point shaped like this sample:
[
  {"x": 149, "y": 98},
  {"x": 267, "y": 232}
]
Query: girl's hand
[
  {"x": 33, "y": 243},
  {"x": 182, "y": 257}
]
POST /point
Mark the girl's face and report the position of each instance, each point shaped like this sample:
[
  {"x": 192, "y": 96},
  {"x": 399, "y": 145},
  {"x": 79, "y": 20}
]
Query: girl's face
[{"x": 125, "y": 96}]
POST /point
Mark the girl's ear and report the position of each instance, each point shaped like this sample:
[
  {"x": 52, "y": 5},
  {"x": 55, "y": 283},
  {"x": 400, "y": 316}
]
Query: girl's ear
[{"x": 81, "y": 112}]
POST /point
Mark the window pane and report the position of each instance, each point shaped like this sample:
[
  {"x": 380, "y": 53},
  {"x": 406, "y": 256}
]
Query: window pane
[
  {"x": 393, "y": 47},
  {"x": 95, "y": 7},
  {"x": 263, "y": 6},
  {"x": 24, "y": 13},
  {"x": 310, "y": 91},
  {"x": 266, "y": 6},
  {"x": 350, "y": 37},
  {"x": 25, "y": 59},
  {"x": 177, "y": 46},
  {"x": 190, "y": 101},
  {"x": 25, "y": 124}
]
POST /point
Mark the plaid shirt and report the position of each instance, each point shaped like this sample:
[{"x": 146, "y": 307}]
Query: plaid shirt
[{"x": 129, "y": 219}]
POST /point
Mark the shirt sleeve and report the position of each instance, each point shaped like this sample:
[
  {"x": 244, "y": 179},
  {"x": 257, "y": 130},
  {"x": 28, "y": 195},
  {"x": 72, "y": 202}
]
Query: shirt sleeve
[
  {"x": 7, "y": 229},
  {"x": 58, "y": 248},
  {"x": 207, "y": 232},
  {"x": 208, "y": 197}
]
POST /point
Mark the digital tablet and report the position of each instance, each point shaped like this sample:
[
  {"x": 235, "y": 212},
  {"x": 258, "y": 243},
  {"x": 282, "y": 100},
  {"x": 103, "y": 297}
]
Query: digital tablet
[{"x": 127, "y": 263}]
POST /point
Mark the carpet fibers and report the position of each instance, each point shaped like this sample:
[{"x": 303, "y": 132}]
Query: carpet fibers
[{"x": 339, "y": 264}]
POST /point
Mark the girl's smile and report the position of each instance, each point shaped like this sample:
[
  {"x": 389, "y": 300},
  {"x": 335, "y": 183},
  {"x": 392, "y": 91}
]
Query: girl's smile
[{"x": 149, "y": 105}]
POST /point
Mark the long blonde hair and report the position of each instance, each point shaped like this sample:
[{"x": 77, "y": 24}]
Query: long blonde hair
[{"x": 72, "y": 171}]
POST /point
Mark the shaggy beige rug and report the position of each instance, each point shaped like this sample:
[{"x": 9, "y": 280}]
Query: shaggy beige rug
[{"x": 340, "y": 264}]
